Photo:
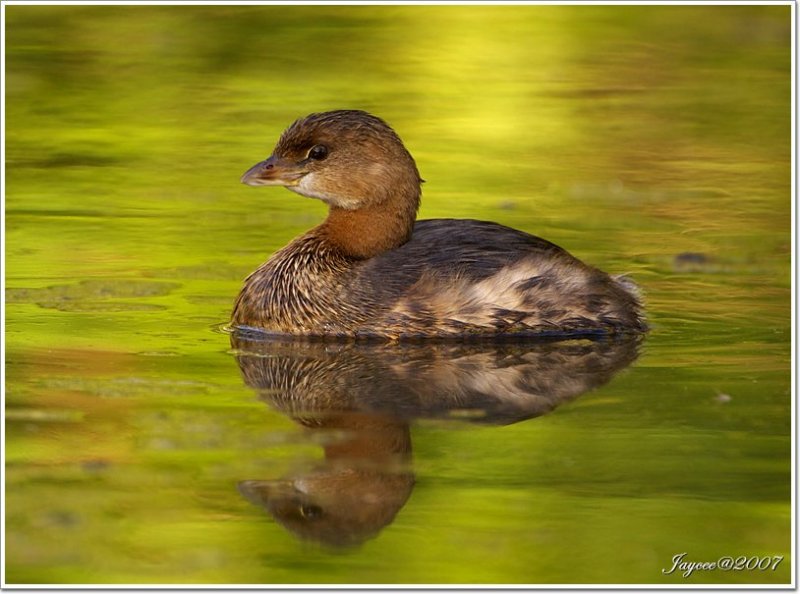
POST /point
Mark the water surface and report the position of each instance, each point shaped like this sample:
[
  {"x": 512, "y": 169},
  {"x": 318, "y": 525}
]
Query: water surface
[{"x": 142, "y": 447}]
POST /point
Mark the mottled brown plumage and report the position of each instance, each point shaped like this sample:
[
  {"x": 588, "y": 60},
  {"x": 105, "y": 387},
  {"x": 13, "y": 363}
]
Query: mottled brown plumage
[{"x": 370, "y": 271}]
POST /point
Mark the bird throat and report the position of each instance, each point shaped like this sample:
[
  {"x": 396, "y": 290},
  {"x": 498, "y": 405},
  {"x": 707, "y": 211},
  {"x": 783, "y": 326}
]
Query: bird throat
[{"x": 371, "y": 230}]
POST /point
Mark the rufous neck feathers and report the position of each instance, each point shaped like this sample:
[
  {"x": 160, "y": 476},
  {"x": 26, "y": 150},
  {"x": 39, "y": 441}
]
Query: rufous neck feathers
[{"x": 371, "y": 230}]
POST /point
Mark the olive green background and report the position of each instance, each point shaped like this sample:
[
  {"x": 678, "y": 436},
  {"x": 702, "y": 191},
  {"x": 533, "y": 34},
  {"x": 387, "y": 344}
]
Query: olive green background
[{"x": 627, "y": 134}]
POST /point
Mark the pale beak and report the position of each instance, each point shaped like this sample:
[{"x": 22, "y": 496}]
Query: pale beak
[{"x": 273, "y": 172}]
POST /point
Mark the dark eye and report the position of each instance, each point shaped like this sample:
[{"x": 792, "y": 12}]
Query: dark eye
[
  {"x": 318, "y": 152},
  {"x": 310, "y": 512}
]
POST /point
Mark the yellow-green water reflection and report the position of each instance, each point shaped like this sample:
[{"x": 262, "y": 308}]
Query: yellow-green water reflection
[{"x": 629, "y": 135}]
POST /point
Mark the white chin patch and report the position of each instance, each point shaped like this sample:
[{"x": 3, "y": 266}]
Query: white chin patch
[{"x": 307, "y": 187}]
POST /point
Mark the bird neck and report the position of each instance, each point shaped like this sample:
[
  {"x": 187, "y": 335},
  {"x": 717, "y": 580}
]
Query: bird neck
[
  {"x": 380, "y": 439},
  {"x": 371, "y": 230}
]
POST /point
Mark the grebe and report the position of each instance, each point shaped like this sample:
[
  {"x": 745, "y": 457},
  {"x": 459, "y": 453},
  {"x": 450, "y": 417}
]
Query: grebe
[{"x": 370, "y": 271}]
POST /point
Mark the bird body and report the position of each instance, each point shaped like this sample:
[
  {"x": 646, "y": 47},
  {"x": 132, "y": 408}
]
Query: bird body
[{"x": 370, "y": 271}]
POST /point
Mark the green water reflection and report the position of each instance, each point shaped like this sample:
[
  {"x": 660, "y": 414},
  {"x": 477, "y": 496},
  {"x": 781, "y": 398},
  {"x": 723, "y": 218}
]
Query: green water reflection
[
  {"x": 359, "y": 400},
  {"x": 649, "y": 140}
]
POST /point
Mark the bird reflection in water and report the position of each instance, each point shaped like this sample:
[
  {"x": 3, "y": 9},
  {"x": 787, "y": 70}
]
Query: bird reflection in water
[{"x": 362, "y": 398}]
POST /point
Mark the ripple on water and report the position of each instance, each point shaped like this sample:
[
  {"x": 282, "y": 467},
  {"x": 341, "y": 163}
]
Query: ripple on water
[{"x": 93, "y": 295}]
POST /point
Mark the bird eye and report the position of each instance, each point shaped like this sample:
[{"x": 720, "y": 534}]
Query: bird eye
[
  {"x": 318, "y": 152},
  {"x": 310, "y": 512}
]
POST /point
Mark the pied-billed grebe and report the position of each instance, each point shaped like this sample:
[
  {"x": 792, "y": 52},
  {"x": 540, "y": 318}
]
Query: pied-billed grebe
[{"x": 370, "y": 271}]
